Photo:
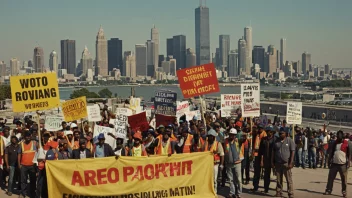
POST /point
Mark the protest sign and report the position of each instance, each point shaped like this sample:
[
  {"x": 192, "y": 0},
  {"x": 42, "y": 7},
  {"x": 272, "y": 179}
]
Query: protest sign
[
  {"x": 230, "y": 104},
  {"x": 198, "y": 80},
  {"x": 191, "y": 114},
  {"x": 294, "y": 113},
  {"x": 75, "y": 109},
  {"x": 94, "y": 113},
  {"x": 250, "y": 103},
  {"x": 182, "y": 175},
  {"x": 34, "y": 92},
  {"x": 138, "y": 121},
  {"x": 164, "y": 119},
  {"x": 53, "y": 123},
  {"x": 135, "y": 103},
  {"x": 105, "y": 130},
  {"x": 121, "y": 121},
  {"x": 182, "y": 108},
  {"x": 165, "y": 102},
  {"x": 148, "y": 113}
]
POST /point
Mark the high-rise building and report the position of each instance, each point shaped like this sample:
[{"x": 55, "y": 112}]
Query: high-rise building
[
  {"x": 169, "y": 47},
  {"x": 101, "y": 50},
  {"x": 150, "y": 57},
  {"x": 86, "y": 61},
  {"x": 161, "y": 59},
  {"x": 306, "y": 61},
  {"x": 258, "y": 56},
  {"x": 272, "y": 63},
  {"x": 141, "y": 60},
  {"x": 202, "y": 34},
  {"x": 68, "y": 56},
  {"x": 166, "y": 66},
  {"x": 180, "y": 51},
  {"x": 297, "y": 67},
  {"x": 2, "y": 68},
  {"x": 191, "y": 58},
  {"x": 154, "y": 36},
  {"x": 115, "y": 59},
  {"x": 38, "y": 57},
  {"x": 243, "y": 64},
  {"x": 327, "y": 69},
  {"x": 30, "y": 63},
  {"x": 173, "y": 66},
  {"x": 53, "y": 62},
  {"x": 24, "y": 64},
  {"x": 14, "y": 67},
  {"x": 232, "y": 69},
  {"x": 282, "y": 52},
  {"x": 248, "y": 38},
  {"x": 130, "y": 65},
  {"x": 224, "y": 46}
]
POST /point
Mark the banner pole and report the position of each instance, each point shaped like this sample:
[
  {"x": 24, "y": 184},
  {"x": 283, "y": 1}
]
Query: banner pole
[
  {"x": 202, "y": 112},
  {"x": 38, "y": 130}
]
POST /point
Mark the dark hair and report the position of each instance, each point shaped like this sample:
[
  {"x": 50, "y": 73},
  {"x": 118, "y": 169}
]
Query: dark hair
[{"x": 14, "y": 137}]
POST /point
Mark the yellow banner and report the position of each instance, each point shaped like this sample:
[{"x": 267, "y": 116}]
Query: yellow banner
[
  {"x": 34, "y": 92},
  {"x": 181, "y": 175},
  {"x": 75, "y": 109}
]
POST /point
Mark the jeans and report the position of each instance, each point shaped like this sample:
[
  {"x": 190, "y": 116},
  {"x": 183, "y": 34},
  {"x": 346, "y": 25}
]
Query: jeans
[
  {"x": 257, "y": 171},
  {"x": 234, "y": 175},
  {"x": 342, "y": 169},
  {"x": 25, "y": 172},
  {"x": 267, "y": 173},
  {"x": 311, "y": 157},
  {"x": 283, "y": 170},
  {"x": 42, "y": 186},
  {"x": 301, "y": 157},
  {"x": 11, "y": 176},
  {"x": 216, "y": 171}
]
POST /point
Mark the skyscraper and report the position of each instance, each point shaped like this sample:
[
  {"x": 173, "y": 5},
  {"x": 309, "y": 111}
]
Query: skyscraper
[
  {"x": 130, "y": 65},
  {"x": 101, "y": 50},
  {"x": 166, "y": 66},
  {"x": 2, "y": 68},
  {"x": 141, "y": 60},
  {"x": 297, "y": 67},
  {"x": 306, "y": 61},
  {"x": 38, "y": 57},
  {"x": 224, "y": 46},
  {"x": 191, "y": 58},
  {"x": 243, "y": 64},
  {"x": 202, "y": 34},
  {"x": 248, "y": 38},
  {"x": 169, "y": 47},
  {"x": 282, "y": 52},
  {"x": 161, "y": 59},
  {"x": 232, "y": 69},
  {"x": 53, "y": 62},
  {"x": 150, "y": 57},
  {"x": 115, "y": 59},
  {"x": 154, "y": 36},
  {"x": 68, "y": 56},
  {"x": 173, "y": 63},
  {"x": 327, "y": 69},
  {"x": 24, "y": 64},
  {"x": 180, "y": 51},
  {"x": 258, "y": 56},
  {"x": 86, "y": 61},
  {"x": 217, "y": 57},
  {"x": 14, "y": 67},
  {"x": 271, "y": 60}
]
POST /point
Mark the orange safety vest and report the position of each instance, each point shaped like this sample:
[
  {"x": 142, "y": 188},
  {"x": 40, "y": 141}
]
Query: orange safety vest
[
  {"x": 28, "y": 154},
  {"x": 160, "y": 148},
  {"x": 187, "y": 145},
  {"x": 258, "y": 138},
  {"x": 214, "y": 150},
  {"x": 227, "y": 148}
]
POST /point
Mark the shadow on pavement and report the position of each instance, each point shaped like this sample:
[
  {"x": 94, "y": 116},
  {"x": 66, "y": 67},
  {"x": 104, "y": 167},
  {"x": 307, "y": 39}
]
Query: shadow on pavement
[{"x": 315, "y": 192}]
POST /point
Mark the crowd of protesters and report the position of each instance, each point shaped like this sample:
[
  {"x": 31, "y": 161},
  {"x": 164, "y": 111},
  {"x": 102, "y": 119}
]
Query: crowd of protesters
[{"x": 238, "y": 145}]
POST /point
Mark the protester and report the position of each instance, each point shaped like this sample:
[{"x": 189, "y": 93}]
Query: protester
[
  {"x": 265, "y": 153},
  {"x": 64, "y": 152},
  {"x": 82, "y": 152},
  {"x": 312, "y": 146},
  {"x": 165, "y": 146},
  {"x": 138, "y": 148},
  {"x": 246, "y": 161},
  {"x": 120, "y": 150},
  {"x": 259, "y": 134},
  {"x": 102, "y": 149},
  {"x": 185, "y": 142},
  {"x": 11, "y": 154},
  {"x": 301, "y": 148}
]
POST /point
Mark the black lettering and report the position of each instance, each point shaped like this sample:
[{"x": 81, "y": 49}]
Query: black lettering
[
  {"x": 32, "y": 82},
  {"x": 24, "y": 83},
  {"x": 46, "y": 93},
  {"x": 18, "y": 96},
  {"x": 24, "y": 96},
  {"x": 41, "y": 95},
  {"x": 38, "y": 82},
  {"x": 53, "y": 92},
  {"x": 44, "y": 81}
]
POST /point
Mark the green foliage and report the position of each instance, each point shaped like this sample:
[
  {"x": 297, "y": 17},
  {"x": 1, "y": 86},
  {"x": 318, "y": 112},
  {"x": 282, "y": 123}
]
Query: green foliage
[
  {"x": 292, "y": 80},
  {"x": 331, "y": 83},
  {"x": 83, "y": 92},
  {"x": 105, "y": 93},
  {"x": 5, "y": 92}
]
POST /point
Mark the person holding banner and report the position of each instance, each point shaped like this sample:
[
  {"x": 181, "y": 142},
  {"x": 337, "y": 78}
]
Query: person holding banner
[
  {"x": 82, "y": 152},
  {"x": 120, "y": 150},
  {"x": 138, "y": 148},
  {"x": 185, "y": 142},
  {"x": 102, "y": 149},
  {"x": 165, "y": 146}
]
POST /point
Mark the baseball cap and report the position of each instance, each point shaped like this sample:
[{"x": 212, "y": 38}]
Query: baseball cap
[
  {"x": 233, "y": 131},
  {"x": 101, "y": 136},
  {"x": 212, "y": 132}
]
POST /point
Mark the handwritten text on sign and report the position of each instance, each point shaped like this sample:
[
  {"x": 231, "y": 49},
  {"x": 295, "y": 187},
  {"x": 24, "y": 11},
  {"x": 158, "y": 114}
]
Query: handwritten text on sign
[
  {"x": 250, "y": 100},
  {"x": 94, "y": 113},
  {"x": 121, "y": 121},
  {"x": 294, "y": 113},
  {"x": 198, "y": 80},
  {"x": 53, "y": 123},
  {"x": 165, "y": 102},
  {"x": 230, "y": 103},
  {"x": 75, "y": 109}
]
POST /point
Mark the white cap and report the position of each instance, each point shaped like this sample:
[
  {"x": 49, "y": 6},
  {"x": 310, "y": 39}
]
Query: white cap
[
  {"x": 73, "y": 125},
  {"x": 68, "y": 133},
  {"x": 233, "y": 131}
]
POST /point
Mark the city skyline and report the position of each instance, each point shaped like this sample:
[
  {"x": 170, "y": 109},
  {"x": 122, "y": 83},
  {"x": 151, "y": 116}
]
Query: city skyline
[{"x": 322, "y": 36}]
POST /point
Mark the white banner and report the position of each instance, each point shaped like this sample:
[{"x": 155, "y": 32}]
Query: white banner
[
  {"x": 53, "y": 123},
  {"x": 294, "y": 113},
  {"x": 230, "y": 104},
  {"x": 191, "y": 114},
  {"x": 94, "y": 113},
  {"x": 105, "y": 130},
  {"x": 121, "y": 121},
  {"x": 250, "y": 103}
]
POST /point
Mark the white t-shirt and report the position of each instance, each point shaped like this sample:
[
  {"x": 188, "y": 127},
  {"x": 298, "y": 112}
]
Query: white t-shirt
[
  {"x": 326, "y": 138},
  {"x": 339, "y": 156}
]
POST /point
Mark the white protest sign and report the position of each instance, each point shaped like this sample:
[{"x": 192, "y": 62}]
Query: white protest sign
[
  {"x": 105, "y": 130},
  {"x": 230, "y": 103},
  {"x": 135, "y": 103},
  {"x": 53, "y": 123},
  {"x": 94, "y": 113},
  {"x": 121, "y": 121},
  {"x": 294, "y": 113},
  {"x": 250, "y": 104},
  {"x": 190, "y": 115},
  {"x": 182, "y": 108}
]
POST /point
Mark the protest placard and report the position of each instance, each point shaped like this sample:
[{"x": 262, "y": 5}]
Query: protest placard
[
  {"x": 75, "y": 109},
  {"x": 53, "y": 123},
  {"x": 165, "y": 103},
  {"x": 135, "y": 103},
  {"x": 230, "y": 104},
  {"x": 198, "y": 80},
  {"x": 294, "y": 113},
  {"x": 182, "y": 108},
  {"x": 250, "y": 104},
  {"x": 138, "y": 122},
  {"x": 34, "y": 92},
  {"x": 164, "y": 120},
  {"x": 191, "y": 114},
  {"x": 121, "y": 121},
  {"x": 105, "y": 130},
  {"x": 94, "y": 113}
]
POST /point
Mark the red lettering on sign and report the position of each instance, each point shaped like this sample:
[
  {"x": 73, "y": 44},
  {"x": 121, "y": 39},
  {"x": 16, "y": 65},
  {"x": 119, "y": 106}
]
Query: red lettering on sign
[
  {"x": 89, "y": 176},
  {"x": 77, "y": 179},
  {"x": 127, "y": 171}
]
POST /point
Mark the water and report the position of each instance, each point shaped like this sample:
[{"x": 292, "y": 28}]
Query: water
[{"x": 148, "y": 91}]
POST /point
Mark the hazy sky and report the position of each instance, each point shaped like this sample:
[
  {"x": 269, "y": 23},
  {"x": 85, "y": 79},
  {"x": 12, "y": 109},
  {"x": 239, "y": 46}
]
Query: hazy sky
[{"x": 321, "y": 27}]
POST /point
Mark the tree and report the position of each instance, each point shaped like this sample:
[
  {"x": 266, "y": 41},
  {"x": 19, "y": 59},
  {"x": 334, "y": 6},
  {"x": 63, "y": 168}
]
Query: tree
[
  {"x": 105, "y": 93},
  {"x": 5, "y": 92},
  {"x": 83, "y": 92}
]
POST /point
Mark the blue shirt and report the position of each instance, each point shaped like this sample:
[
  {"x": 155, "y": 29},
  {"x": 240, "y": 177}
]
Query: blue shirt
[{"x": 99, "y": 151}]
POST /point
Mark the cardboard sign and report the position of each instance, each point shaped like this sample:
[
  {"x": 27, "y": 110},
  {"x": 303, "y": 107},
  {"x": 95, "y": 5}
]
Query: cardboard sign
[
  {"x": 250, "y": 103},
  {"x": 190, "y": 115},
  {"x": 53, "y": 123},
  {"x": 75, "y": 109},
  {"x": 165, "y": 103},
  {"x": 121, "y": 121},
  {"x": 94, "y": 113},
  {"x": 138, "y": 121},
  {"x": 164, "y": 120},
  {"x": 198, "y": 80},
  {"x": 34, "y": 92},
  {"x": 294, "y": 113},
  {"x": 135, "y": 103},
  {"x": 230, "y": 104},
  {"x": 105, "y": 130}
]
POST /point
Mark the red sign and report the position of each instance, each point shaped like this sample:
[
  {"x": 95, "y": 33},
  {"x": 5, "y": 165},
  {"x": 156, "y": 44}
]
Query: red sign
[
  {"x": 198, "y": 80},
  {"x": 164, "y": 119},
  {"x": 138, "y": 121}
]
